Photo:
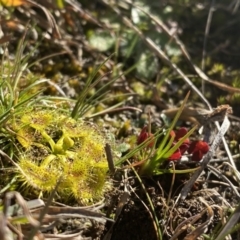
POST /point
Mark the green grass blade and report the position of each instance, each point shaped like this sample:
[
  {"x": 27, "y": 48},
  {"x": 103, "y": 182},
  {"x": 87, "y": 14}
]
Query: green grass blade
[
  {"x": 166, "y": 137},
  {"x": 166, "y": 154}
]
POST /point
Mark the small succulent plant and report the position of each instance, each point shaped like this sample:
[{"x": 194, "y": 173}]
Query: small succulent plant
[
  {"x": 172, "y": 150},
  {"x": 55, "y": 146}
]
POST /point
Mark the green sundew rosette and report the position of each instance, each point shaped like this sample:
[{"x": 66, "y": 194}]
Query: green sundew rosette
[{"x": 73, "y": 150}]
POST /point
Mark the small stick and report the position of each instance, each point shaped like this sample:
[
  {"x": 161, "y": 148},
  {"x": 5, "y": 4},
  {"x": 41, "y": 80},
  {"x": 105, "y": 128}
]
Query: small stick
[{"x": 109, "y": 159}]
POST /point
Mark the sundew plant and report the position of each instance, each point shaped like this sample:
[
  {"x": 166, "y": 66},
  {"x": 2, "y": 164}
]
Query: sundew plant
[{"x": 49, "y": 144}]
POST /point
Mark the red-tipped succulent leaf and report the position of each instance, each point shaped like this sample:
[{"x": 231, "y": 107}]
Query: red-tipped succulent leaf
[
  {"x": 198, "y": 149},
  {"x": 180, "y": 133},
  {"x": 175, "y": 156},
  {"x": 144, "y": 135}
]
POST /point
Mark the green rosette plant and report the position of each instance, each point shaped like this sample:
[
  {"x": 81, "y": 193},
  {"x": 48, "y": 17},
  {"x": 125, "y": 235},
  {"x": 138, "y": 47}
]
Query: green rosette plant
[{"x": 55, "y": 146}]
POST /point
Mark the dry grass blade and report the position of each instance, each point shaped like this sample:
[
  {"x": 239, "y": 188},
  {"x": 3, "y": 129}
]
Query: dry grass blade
[
  {"x": 74, "y": 236},
  {"x": 36, "y": 228},
  {"x": 32, "y": 204},
  {"x": 203, "y": 227},
  {"x": 66, "y": 212},
  {"x": 200, "y": 115},
  {"x": 206, "y": 159},
  {"x": 5, "y": 232},
  {"x": 230, "y": 184},
  {"x": 50, "y": 18},
  {"x": 206, "y": 34},
  {"x": 83, "y": 13},
  {"x": 56, "y": 214},
  {"x": 6, "y": 221},
  {"x": 22, "y": 204},
  {"x": 114, "y": 109},
  {"x": 171, "y": 186},
  {"x": 233, "y": 219},
  {"x": 182, "y": 227}
]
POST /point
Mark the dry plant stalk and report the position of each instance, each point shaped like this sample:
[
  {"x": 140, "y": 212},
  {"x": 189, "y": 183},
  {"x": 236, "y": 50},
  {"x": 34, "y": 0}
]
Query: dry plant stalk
[{"x": 200, "y": 115}]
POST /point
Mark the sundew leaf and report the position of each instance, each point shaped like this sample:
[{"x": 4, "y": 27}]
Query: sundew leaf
[
  {"x": 122, "y": 147},
  {"x": 147, "y": 66},
  {"x": 172, "y": 50},
  {"x": 101, "y": 40}
]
